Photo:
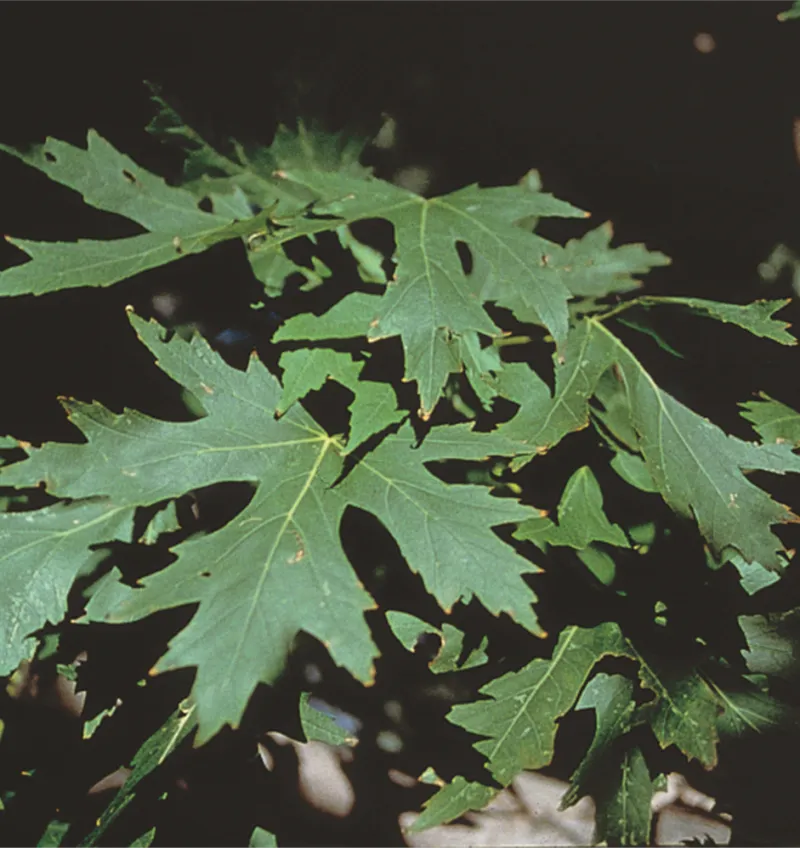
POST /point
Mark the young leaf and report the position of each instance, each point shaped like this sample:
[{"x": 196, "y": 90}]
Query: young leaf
[
  {"x": 41, "y": 553},
  {"x": 752, "y": 575}
]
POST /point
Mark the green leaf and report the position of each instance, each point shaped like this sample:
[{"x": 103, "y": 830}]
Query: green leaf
[
  {"x": 112, "y": 182},
  {"x": 319, "y": 727},
  {"x": 773, "y": 421},
  {"x": 54, "y": 834},
  {"x": 600, "y": 563},
  {"x": 791, "y": 13},
  {"x": 408, "y": 629},
  {"x": 754, "y": 317},
  {"x": 697, "y": 468},
  {"x": 753, "y": 576},
  {"x": 581, "y": 519},
  {"x": 542, "y": 420},
  {"x": 624, "y": 803},
  {"x": 772, "y": 641},
  {"x": 591, "y": 268},
  {"x": 746, "y": 710},
  {"x": 147, "y": 759},
  {"x": 41, "y": 553},
  {"x": 521, "y": 718},
  {"x": 261, "y": 838},
  {"x": 90, "y": 726},
  {"x": 145, "y": 840},
  {"x": 350, "y": 317},
  {"x": 685, "y": 710},
  {"x": 279, "y": 566},
  {"x": 374, "y": 405},
  {"x": 444, "y": 530},
  {"x": 612, "y": 699},
  {"x": 432, "y": 301},
  {"x": 164, "y": 521},
  {"x": 615, "y": 415},
  {"x": 451, "y": 801}
]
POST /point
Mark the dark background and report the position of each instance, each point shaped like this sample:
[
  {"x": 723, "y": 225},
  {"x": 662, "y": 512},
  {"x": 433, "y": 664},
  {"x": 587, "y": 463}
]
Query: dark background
[{"x": 691, "y": 153}]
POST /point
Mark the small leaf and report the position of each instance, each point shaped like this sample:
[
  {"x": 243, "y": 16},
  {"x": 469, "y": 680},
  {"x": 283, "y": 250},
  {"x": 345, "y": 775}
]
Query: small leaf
[
  {"x": 791, "y": 13},
  {"x": 753, "y": 576},
  {"x": 261, "y": 838},
  {"x": 164, "y": 521},
  {"x": 754, "y": 317},
  {"x": 319, "y": 727},
  {"x": 408, "y": 629},
  {"x": 349, "y": 318},
  {"x": 774, "y": 421},
  {"x": 772, "y": 641},
  {"x": 452, "y": 801},
  {"x": 746, "y": 710},
  {"x": 581, "y": 519},
  {"x": 633, "y": 470}
]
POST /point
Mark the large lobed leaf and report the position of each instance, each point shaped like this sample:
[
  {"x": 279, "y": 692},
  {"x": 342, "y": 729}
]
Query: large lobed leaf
[
  {"x": 433, "y": 301},
  {"x": 279, "y": 566}
]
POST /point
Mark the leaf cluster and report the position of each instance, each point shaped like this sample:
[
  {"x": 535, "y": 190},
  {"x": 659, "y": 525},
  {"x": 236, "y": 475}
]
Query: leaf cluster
[{"x": 462, "y": 274}]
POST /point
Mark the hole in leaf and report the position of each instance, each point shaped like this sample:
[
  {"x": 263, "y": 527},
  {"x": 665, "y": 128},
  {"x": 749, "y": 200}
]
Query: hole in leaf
[
  {"x": 205, "y": 204},
  {"x": 465, "y": 255},
  {"x": 49, "y": 157},
  {"x": 129, "y": 176},
  {"x": 205, "y": 574}
]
